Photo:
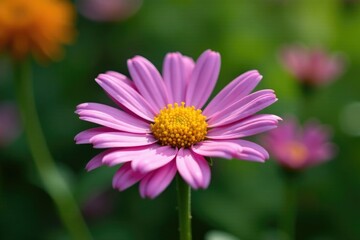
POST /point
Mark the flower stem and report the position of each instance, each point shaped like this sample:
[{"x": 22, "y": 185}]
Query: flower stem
[
  {"x": 288, "y": 218},
  {"x": 52, "y": 180},
  {"x": 184, "y": 208}
]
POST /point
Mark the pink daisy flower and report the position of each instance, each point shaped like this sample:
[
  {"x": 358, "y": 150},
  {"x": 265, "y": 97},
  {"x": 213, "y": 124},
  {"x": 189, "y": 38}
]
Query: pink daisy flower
[
  {"x": 312, "y": 66},
  {"x": 297, "y": 148},
  {"x": 159, "y": 129}
]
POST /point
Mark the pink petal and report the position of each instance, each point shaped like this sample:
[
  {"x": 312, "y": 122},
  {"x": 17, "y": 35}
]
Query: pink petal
[
  {"x": 111, "y": 117},
  {"x": 237, "y": 89},
  {"x": 126, "y": 96},
  {"x": 176, "y": 73},
  {"x": 214, "y": 148},
  {"x": 247, "y": 127},
  {"x": 154, "y": 158},
  {"x": 122, "y": 78},
  {"x": 295, "y": 59},
  {"x": 126, "y": 80},
  {"x": 193, "y": 168},
  {"x": 315, "y": 134},
  {"x": 121, "y": 139},
  {"x": 320, "y": 153},
  {"x": 243, "y": 108},
  {"x": 232, "y": 148},
  {"x": 125, "y": 154},
  {"x": 334, "y": 66},
  {"x": 84, "y": 137},
  {"x": 96, "y": 161},
  {"x": 189, "y": 65},
  {"x": 203, "y": 79},
  {"x": 125, "y": 177},
  {"x": 157, "y": 181},
  {"x": 148, "y": 81},
  {"x": 252, "y": 151}
]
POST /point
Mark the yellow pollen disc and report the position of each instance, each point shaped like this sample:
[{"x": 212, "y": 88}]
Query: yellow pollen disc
[
  {"x": 298, "y": 152},
  {"x": 179, "y": 126}
]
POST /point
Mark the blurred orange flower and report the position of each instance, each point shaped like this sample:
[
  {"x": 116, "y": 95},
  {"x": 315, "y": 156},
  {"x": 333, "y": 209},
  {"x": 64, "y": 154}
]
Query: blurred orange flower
[{"x": 37, "y": 26}]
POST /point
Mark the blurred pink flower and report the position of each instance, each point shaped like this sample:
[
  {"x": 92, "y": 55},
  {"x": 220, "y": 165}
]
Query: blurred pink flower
[
  {"x": 108, "y": 10},
  {"x": 163, "y": 130},
  {"x": 313, "y": 67},
  {"x": 298, "y": 148},
  {"x": 10, "y": 126}
]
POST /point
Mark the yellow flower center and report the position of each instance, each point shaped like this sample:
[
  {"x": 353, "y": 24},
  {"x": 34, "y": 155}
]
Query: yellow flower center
[
  {"x": 298, "y": 152},
  {"x": 179, "y": 126}
]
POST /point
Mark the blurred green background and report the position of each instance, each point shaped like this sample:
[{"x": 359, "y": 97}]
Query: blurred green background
[{"x": 244, "y": 198}]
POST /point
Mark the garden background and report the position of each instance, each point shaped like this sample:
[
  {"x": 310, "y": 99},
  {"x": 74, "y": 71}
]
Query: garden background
[{"x": 244, "y": 198}]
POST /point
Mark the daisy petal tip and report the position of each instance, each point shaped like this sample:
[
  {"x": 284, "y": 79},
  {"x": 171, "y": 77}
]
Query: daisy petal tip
[
  {"x": 173, "y": 55},
  {"x": 205, "y": 184},
  {"x": 210, "y": 51},
  {"x": 259, "y": 159},
  {"x": 254, "y": 75},
  {"x": 136, "y": 60},
  {"x": 262, "y": 154},
  {"x": 115, "y": 74},
  {"x": 143, "y": 195},
  {"x": 82, "y": 105},
  {"x": 196, "y": 184},
  {"x": 210, "y": 54},
  {"x": 99, "y": 81},
  {"x": 116, "y": 184},
  {"x": 266, "y": 156},
  {"x": 76, "y": 140},
  {"x": 193, "y": 185},
  {"x": 215, "y": 55},
  {"x": 89, "y": 167},
  {"x": 130, "y": 62},
  {"x": 101, "y": 76},
  {"x": 151, "y": 197},
  {"x": 147, "y": 195},
  {"x": 79, "y": 140}
]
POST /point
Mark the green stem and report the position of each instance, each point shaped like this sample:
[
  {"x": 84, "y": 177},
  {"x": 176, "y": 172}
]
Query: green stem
[
  {"x": 288, "y": 218},
  {"x": 184, "y": 208},
  {"x": 52, "y": 180}
]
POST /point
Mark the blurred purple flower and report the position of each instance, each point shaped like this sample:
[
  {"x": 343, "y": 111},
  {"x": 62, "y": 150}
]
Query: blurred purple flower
[
  {"x": 314, "y": 67},
  {"x": 10, "y": 126},
  {"x": 108, "y": 10},
  {"x": 298, "y": 148}
]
